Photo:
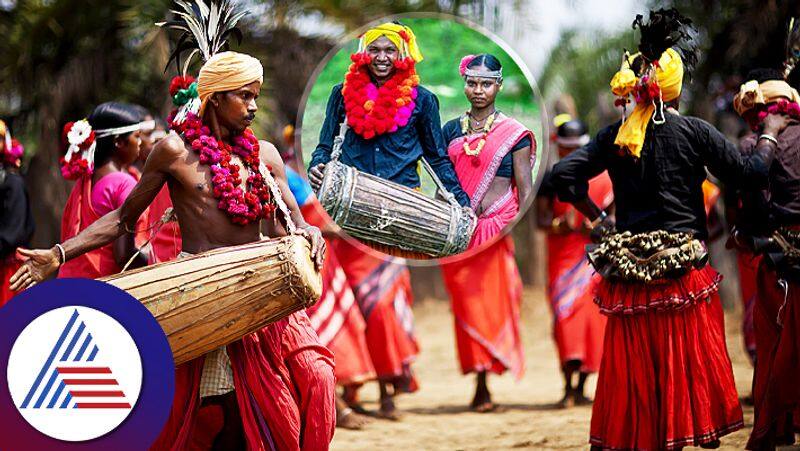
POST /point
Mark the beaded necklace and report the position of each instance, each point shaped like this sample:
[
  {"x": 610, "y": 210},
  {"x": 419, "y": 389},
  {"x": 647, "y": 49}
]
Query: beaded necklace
[{"x": 466, "y": 128}]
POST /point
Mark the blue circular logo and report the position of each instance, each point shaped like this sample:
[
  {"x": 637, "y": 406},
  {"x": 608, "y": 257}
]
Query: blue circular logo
[{"x": 86, "y": 367}]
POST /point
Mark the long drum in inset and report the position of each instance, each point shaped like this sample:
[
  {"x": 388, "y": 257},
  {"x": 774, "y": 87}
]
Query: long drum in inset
[
  {"x": 380, "y": 211},
  {"x": 212, "y": 299}
]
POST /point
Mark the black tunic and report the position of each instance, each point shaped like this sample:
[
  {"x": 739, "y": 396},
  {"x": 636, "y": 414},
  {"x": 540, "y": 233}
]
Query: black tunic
[{"x": 663, "y": 189}]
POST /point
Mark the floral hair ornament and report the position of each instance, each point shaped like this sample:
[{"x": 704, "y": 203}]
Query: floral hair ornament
[
  {"x": 81, "y": 143},
  {"x": 462, "y": 67}
]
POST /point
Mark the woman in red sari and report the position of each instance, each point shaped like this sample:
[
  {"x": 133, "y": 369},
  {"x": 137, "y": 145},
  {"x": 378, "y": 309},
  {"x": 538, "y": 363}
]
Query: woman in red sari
[
  {"x": 493, "y": 155},
  {"x": 100, "y": 149},
  {"x": 578, "y": 326}
]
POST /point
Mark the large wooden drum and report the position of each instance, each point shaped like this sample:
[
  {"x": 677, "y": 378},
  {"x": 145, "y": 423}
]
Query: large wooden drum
[
  {"x": 212, "y": 299},
  {"x": 379, "y": 211}
]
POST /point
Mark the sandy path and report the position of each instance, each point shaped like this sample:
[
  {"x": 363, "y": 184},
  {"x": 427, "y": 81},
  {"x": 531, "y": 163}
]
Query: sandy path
[{"x": 437, "y": 418}]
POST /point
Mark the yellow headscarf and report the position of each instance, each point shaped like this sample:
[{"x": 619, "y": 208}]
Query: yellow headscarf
[
  {"x": 227, "y": 71},
  {"x": 669, "y": 75},
  {"x": 400, "y": 35},
  {"x": 753, "y": 93}
]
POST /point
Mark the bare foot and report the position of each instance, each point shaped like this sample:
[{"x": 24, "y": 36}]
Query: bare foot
[
  {"x": 582, "y": 400},
  {"x": 388, "y": 411},
  {"x": 350, "y": 397},
  {"x": 348, "y": 419},
  {"x": 567, "y": 401},
  {"x": 485, "y": 407}
]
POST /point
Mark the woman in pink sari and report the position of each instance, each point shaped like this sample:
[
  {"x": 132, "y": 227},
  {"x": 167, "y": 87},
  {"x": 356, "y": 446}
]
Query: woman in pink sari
[{"x": 493, "y": 155}]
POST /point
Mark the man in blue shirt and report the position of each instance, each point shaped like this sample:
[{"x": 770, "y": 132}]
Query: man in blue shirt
[{"x": 393, "y": 121}]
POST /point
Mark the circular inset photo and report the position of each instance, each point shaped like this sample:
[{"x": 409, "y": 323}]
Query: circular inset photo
[{"x": 419, "y": 137}]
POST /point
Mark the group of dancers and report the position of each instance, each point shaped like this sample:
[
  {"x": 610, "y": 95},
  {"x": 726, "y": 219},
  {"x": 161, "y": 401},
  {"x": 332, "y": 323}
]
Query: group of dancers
[{"x": 148, "y": 191}]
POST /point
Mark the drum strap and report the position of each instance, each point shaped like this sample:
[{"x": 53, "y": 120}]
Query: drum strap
[{"x": 336, "y": 152}]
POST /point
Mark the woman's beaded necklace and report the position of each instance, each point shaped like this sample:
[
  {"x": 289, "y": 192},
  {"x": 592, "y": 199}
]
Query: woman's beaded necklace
[{"x": 466, "y": 128}]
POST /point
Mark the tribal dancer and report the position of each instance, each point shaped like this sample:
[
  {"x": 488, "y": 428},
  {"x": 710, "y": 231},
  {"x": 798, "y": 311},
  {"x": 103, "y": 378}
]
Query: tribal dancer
[
  {"x": 767, "y": 102},
  {"x": 274, "y": 387},
  {"x": 393, "y": 120},
  {"x": 492, "y": 153},
  {"x": 666, "y": 380},
  {"x": 100, "y": 149},
  {"x": 578, "y": 326},
  {"x": 336, "y": 317},
  {"x": 16, "y": 220},
  {"x": 382, "y": 288}
]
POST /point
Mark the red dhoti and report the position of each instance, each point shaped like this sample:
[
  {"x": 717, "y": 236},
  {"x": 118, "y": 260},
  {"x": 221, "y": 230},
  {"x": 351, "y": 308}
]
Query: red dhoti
[
  {"x": 284, "y": 387},
  {"x": 8, "y": 266},
  {"x": 666, "y": 379},
  {"x": 485, "y": 292},
  {"x": 776, "y": 391},
  {"x": 383, "y": 292}
]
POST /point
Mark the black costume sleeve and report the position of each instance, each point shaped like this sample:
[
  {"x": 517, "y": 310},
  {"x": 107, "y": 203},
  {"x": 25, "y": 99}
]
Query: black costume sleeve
[
  {"x": 570, "y": 176},
  {"x": 434, "y": 149},
  {"x": 726, "y": 162},
  {"x": 330, "y": 128}
]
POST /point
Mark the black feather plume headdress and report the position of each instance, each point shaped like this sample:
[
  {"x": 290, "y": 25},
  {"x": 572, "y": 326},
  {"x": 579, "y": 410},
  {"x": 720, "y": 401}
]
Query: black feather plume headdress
[
  {"x": 205, "y": 29},
  {"x": 664, "y": 29}
]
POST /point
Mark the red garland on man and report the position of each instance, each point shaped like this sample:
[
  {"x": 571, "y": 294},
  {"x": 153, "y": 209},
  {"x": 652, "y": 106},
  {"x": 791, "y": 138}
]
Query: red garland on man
[
  {"x": 375, "y": 110},
  {"x": 242, "y": 206}
]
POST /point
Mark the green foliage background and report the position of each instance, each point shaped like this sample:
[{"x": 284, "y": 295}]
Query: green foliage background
[{"x": 443, "y": 43}]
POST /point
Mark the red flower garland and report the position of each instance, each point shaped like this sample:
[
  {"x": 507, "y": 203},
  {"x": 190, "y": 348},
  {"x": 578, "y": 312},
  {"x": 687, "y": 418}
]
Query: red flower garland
[
  {"x": 242, "y": 206},
  {"x": 372, "y": 110}
]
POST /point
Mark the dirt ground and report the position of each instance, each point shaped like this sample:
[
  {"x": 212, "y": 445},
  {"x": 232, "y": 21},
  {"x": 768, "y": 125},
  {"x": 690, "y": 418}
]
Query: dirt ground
[{"x": 437, "y": 418}]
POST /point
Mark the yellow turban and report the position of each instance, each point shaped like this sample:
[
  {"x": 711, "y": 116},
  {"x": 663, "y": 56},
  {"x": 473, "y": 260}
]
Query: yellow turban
[
  {"x": 754, "y": 93},
  {"x": 400, "y": 35},
  {"x": 227, "y": 71},
  {"x": 669, "y": 75}
]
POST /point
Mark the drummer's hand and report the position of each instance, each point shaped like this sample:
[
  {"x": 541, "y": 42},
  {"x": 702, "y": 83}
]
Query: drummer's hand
[
  {"x": 38, "y": 265},
  {"x": 314, "y": 236},
  {"x": 315, "y": 176}
]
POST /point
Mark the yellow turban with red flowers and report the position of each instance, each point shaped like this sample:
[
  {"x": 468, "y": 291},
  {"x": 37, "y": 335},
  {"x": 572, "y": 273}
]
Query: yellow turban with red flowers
[
  {"x": 227, "y": 71},
  {"x": 400, "y": 35},
  {"x": 669, "y": 75}
]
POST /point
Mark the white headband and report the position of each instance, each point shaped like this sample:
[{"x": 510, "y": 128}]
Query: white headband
[
  {"x": 125, "y": 129},
  {"x": 497, "y": 74}
]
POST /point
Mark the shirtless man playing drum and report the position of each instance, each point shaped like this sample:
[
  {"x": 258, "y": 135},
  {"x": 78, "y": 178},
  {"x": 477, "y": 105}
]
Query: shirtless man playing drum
[{"x": 228, "y": 86}]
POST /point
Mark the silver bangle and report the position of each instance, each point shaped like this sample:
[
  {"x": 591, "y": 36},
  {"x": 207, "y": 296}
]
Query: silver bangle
[
  {"x": 768, "y": 137},
  {"x": 62, "y": 252},
  {"x": 599, "y": 219}
]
